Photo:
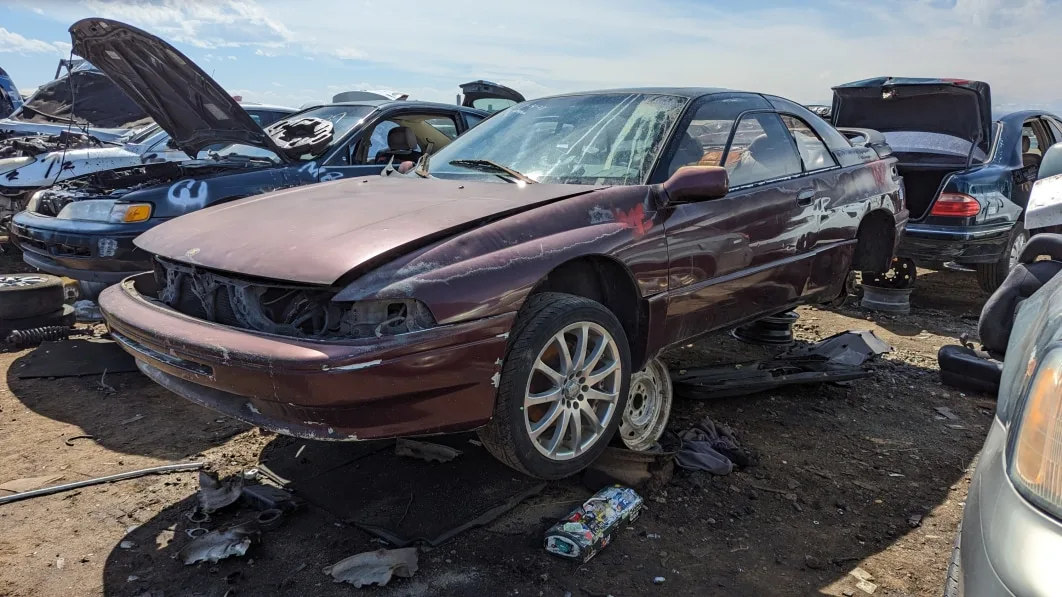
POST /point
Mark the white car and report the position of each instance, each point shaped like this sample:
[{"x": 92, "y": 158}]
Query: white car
[{"x": 21, "y": 176}]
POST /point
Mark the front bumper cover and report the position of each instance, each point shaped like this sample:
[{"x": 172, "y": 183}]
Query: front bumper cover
[{"x": 439, "y": 380}]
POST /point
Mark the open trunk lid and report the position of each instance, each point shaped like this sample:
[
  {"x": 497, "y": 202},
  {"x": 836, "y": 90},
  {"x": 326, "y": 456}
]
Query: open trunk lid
[
  {"x": 953, "y": 107},
  {"x": 180, "y": 96},
  {"x": 489, "y": 97}
]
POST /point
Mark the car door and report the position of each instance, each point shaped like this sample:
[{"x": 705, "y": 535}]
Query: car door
[
  {"x": 741, "y": 256},
  {"x": 433, "y": 127}
]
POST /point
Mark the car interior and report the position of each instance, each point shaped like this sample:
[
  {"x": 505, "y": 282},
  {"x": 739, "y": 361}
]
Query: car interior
[
  {"x": 1034, "y": 138},
  {"x": 406, "y": 137}
]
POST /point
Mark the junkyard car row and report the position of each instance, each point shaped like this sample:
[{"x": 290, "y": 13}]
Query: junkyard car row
[{"x": 376, "y": 268}]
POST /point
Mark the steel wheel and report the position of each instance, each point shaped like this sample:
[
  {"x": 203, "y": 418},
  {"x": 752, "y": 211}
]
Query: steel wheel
[
  {"x": 573, "y": 390},
  {"x": 648, "y": 407}
]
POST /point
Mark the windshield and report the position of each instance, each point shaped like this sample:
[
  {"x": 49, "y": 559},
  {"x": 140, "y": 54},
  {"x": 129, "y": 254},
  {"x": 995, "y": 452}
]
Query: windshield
[
  {"x": 343, "y": 118},
  {"x": 609, "y": 138}
]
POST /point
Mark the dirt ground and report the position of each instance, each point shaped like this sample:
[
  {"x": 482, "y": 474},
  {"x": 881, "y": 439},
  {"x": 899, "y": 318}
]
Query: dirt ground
[{"x": 864, "y": 462}]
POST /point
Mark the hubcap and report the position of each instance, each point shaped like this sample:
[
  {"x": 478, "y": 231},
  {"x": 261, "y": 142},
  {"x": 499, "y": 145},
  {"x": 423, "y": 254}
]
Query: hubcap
[
  {"x": 648, "y": 407},
  {"x": 12, "y": 281},
  {"x": 573, "y": 390}
]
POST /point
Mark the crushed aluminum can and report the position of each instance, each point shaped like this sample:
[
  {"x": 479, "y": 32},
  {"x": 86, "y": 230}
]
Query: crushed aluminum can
[{"x": 591, "y": 527}]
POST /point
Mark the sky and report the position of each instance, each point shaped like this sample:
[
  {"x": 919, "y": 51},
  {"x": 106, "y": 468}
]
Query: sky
[{"x": 290, "y": 53}]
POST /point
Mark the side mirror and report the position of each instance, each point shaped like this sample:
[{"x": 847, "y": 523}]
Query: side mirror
[{"x": 690, "y": 184}]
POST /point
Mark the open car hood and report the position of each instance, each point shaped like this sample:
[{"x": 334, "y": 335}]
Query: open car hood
[
  {"x": 318, "y": 233},
  {"x": 955, "y": 107},
  {"x": 176, "y": 93}
]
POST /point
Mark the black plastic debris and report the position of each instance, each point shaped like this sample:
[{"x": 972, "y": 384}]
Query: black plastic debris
[{"x": 838, "y": 358}]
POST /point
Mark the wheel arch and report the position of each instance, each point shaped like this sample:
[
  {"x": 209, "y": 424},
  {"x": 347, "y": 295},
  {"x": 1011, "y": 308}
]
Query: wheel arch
[
  {"x": 875, "y": 242},
  {"x": 605, "y": 280}
]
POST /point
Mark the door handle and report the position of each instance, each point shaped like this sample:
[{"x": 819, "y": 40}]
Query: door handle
[{"x": 805, "y": 196}]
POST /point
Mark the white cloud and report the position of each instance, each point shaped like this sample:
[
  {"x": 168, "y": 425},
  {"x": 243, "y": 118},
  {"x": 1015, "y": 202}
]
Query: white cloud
[
  {"x": 551, "y": 46},
  {"x": 16, "y": 43}
]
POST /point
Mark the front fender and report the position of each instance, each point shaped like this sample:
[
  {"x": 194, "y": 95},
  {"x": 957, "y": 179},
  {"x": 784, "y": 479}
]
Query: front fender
[{"x": 490, "y": 270}]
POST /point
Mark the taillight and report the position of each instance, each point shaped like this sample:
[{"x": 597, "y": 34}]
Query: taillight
[{"x": 956, "y": 205}]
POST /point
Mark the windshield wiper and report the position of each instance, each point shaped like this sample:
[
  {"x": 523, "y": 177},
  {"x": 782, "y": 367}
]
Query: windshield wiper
[{"x": 489, "y": 166}]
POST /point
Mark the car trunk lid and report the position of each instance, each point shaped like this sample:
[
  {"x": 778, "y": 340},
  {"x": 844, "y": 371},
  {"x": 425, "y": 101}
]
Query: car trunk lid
[
  {"x": 317, "y": 234},
  {"x": 489, "y": 97}
]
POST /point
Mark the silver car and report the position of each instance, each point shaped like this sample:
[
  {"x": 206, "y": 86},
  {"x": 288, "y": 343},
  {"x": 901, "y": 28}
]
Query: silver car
[{"x": 1010, "y": 542}]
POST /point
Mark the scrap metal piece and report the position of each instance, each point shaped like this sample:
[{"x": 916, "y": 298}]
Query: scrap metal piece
[
  {"x": 214, "y": 494},
  {"x": 267, "y": 497},
  {"x": 218, "y": 545},
  {"x": 425, "y": 450},
  {"x": 375, "y": 567},
  {"x": 168, "y": 468},
  {"x": 841, "y": 357}
]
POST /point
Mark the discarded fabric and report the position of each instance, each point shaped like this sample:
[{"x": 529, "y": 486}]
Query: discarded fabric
[
  {"x": 375, "y": 567},
  {"x": 712, "y": 448}
]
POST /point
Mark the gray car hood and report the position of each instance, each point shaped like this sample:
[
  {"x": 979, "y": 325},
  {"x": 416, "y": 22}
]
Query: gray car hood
[
  {"x": 318, "y": 233},
  {"x": 176, "y": 93}
]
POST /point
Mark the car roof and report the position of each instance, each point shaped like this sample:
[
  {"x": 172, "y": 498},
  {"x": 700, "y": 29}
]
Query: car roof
[
  {"x": 384, "y": 104},
  {"x": 686, "y": 92},
  {"x": 259, "y": 106},
  {"x": 1020, "y": 116}
]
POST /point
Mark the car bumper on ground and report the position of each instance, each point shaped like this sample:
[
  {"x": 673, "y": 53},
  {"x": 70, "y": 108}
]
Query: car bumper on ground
[
  {"x": 1008, "y": 546},
  {"x": 928, "y": 242},
  {"x": 439, "y": 380},
  {"x": 90, "y": 251}
]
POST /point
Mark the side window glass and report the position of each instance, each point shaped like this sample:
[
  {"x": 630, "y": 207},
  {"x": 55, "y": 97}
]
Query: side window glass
[
  {"x": 762, "y": 150},
  {"x": 1056, "y": 130},
  {"x": 703, "y": 141},
  {"x": 812, "y": 150},
  {"x": 444, "y": 125},
  {"x": 473, "y": 119},
  {"x": 378, "y": 140}
]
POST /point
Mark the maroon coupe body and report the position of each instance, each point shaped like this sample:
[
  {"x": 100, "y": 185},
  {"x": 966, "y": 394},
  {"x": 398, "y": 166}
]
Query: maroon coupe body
[{"x": 390, "y": 306}]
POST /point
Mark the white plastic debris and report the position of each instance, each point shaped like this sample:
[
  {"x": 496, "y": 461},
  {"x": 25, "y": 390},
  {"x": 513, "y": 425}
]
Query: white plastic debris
[
  {"x": 217, "y": 545},
  {"x": 375, "y": 567},
  {"x": 86, "y": 311}
]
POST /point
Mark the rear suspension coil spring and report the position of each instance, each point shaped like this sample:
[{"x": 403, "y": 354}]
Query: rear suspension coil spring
[{"x": 34, "y": 336}]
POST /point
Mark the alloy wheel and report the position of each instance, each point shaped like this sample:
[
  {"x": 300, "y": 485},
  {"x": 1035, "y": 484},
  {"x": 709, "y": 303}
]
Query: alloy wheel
[{"x": 573, "y": 390}]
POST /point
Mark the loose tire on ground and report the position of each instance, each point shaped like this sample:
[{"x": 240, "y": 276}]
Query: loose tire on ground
[
  {"x": 543, "y": 319},
  {"x": 953, "y": 582},
  {"x": 29, "y": 295},
  {"x": 990, "y": 276}
]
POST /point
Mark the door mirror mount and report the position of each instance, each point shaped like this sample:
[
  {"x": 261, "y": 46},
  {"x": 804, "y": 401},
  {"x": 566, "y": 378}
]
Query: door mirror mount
[{"x": 690, "y": 184}]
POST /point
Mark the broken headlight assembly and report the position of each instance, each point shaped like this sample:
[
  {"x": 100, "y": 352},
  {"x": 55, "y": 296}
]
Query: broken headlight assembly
[
  {"x": 1035, "y": 465},
  {"x": 293, "y": 311},
  {"x": 104, "y": 210}
]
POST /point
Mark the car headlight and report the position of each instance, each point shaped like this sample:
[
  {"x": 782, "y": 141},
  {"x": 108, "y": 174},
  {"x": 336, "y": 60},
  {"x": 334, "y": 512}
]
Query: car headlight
[
  {"x": 9, "y": 164},
  {"x": 1036, "y": 458},
  {"x": 104, "y": 210}
]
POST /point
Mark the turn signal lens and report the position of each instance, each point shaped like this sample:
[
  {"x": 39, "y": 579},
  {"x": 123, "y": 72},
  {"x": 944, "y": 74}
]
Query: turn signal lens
[
  {"x": 1037, "y": 460},
  {"x": 137, "y": 212},
  {"x": 956, "y": 205}
]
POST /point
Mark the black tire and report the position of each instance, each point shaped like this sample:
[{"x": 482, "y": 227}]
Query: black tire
[
  {"x": 543, "y": 316},
  {"x": 29, "y": 295},
  {"x": 953, "y": 582},
  {"x": 990, "y": 276},
  {"x": 64, "y": 317}
]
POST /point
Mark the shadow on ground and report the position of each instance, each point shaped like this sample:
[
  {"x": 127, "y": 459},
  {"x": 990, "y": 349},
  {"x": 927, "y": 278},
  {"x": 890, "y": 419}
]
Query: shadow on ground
[
  {"x": 858, "y": 463},
  {"x": 138, "y": 417}
]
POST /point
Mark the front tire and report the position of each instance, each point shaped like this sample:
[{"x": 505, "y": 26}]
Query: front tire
[
  {"x": 563, "y": 387},
  {"x": 990, "y": 276}
]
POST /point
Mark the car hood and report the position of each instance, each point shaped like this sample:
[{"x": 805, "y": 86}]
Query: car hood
[
  {"x": 317, "y": 234},
  {"x": 955, "y": 107},
  {"x": 176, "y": 93}
]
